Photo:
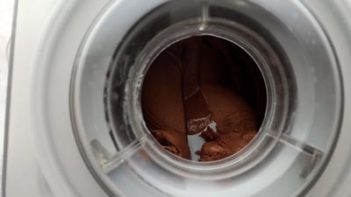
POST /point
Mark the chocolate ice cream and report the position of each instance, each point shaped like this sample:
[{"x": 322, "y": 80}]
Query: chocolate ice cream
[{"x": 186, "y": 92}]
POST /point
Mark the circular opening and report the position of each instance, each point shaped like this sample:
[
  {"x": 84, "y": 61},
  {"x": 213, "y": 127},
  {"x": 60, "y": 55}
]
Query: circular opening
[
  {"x": 203, "y": 98},
  {"x": 125, "y": 103}
]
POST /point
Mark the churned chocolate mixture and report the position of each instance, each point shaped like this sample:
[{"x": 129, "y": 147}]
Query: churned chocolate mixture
[{"x": 194, "y": 88}]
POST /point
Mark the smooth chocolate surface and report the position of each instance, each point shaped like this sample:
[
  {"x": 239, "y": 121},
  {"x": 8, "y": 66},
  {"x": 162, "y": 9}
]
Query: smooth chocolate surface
[
  {"x": 197, "y": 115},
  {"x": 162, "y": 104}
]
